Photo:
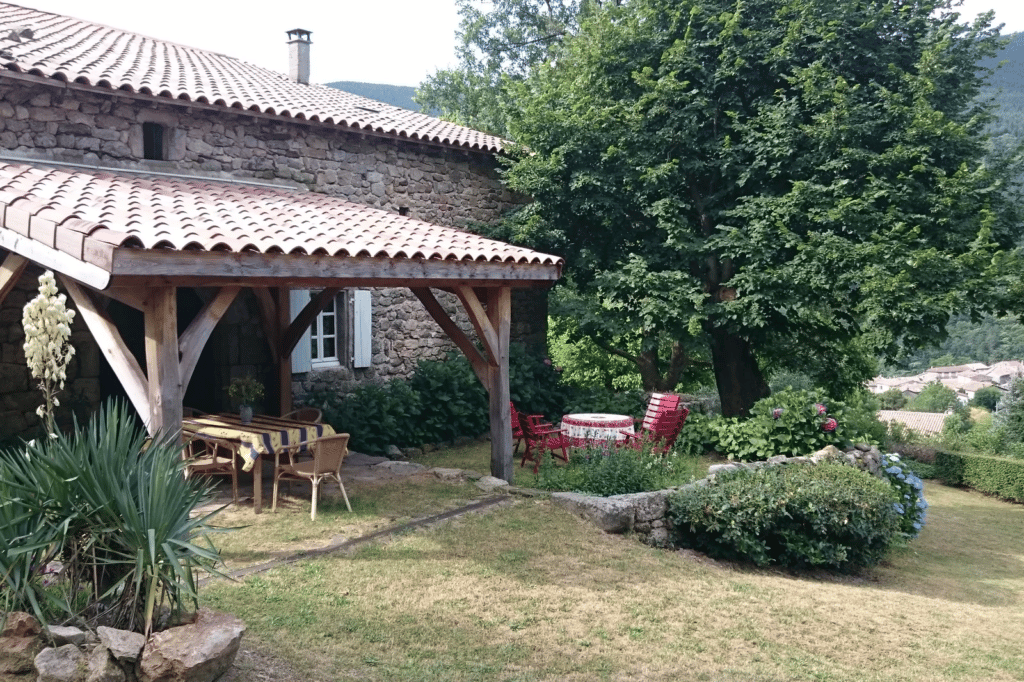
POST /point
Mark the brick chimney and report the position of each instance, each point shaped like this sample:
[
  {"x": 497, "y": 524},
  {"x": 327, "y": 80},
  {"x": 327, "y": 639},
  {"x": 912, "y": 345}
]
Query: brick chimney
[{"x": 298, "y": 55}]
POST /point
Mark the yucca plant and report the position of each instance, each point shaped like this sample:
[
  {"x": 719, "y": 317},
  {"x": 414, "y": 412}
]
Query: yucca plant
[{"x": 121, "y": 507}]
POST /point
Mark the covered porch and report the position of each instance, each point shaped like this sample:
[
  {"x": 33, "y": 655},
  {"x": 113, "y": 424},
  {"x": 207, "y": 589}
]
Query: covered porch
[{"x": 137, "y": 239}]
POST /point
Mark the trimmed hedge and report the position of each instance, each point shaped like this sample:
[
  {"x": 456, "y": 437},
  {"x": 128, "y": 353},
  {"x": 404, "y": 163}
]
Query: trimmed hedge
[
  {"x": 1000, "y": 476},
  {"x": 830, "y": 515}
]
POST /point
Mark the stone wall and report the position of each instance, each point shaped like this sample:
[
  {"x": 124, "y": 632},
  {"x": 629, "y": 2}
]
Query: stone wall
[
  {"x": 19, "y": 395},
  {"x": 441, "y": 185}
]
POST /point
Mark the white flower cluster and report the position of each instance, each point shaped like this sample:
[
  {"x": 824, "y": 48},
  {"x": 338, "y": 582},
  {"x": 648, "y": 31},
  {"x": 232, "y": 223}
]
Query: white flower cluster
[{"x": 48, "y": 350}]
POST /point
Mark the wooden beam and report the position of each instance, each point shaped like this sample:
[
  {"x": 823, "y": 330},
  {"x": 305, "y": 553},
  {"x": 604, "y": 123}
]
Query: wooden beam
[
  {"x": 113, "y": 347},
  {"x": 268, "y": 316},
  {"x": 10, "y": 272},
  {"x": 313, "y": 281},
  {"x": 55, "y": 260},
  {"x": 299, "y": 270},
  {"x": 499, "y": 314},
  {"x": 193, "y": 340},
  {"x": 297, "y": 327},
  {"x": 476, "y": 360},
  {"x": 165, "y": 390},
  {"x": 485, "y": 331},
  {"x": 284, "y": 365},
  {"x": 133, "y": 297}
]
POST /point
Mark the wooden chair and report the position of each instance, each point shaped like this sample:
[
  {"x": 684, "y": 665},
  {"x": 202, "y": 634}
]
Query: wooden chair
[
  {"x": 658, "y": 403},
  {"x": 328, "y": 455},
  {"x": 541, "y": 437},
  {"x": 517, "y": 428},
  {"x": 211, "y": 457},
  {"x": 310, "y": 415},
  {"x": 661, "y": 434}
]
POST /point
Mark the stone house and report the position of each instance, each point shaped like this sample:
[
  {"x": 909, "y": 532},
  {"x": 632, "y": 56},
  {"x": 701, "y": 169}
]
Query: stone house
[{"x": 127, "y": 121}]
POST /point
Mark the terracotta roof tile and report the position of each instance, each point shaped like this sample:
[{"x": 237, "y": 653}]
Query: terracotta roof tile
[
  {"x": 924, "y": 423},
  {"x": 83, "y": 52},
  {"x": 131, "y": 211}
]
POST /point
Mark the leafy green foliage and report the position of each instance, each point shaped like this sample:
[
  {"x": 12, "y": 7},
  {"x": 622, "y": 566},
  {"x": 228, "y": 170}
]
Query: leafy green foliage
[
  {"x": 1011, "y": 412},
  {"x": 934, "y": 398},
  {"x": 781, "y": 183},
  {"x": 440, "y": 402},
  {"x": 893, "y": 399},
  {"x": 791, "y": 423},
  {"x": 987, "y": 398},
  {"x": 829, "y": 515},
  {"x": 616, "y": 471},
  {"x": 116, "y": 511},
  {"x": 1001, "y": 476}
]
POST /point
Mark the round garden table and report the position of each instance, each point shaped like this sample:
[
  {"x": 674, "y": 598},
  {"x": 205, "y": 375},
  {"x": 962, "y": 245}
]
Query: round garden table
[{"x": 593, "y": 427}]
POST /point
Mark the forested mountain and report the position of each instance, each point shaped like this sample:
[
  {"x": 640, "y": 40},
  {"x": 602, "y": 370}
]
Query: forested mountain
[
  {"x": 1007, "y": 86},
  {"x": 991, "y": 340},
  {"x": 397, "y": 95}
]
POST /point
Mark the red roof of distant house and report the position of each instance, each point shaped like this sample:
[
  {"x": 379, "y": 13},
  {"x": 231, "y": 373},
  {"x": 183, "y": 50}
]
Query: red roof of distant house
[{"x": 91, "y": 54}]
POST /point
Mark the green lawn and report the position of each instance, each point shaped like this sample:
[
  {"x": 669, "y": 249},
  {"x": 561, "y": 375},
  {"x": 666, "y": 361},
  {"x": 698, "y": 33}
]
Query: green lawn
[{"x": 528, "y": 592}]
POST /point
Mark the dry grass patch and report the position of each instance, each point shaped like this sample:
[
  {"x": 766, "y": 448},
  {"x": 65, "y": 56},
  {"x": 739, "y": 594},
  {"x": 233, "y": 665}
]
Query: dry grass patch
[{"x": 528, "y": 592}]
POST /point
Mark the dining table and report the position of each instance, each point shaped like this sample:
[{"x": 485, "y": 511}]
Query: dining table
[
  {"x": 262, "y": 436},
  {"x": 596, "y": 427}
]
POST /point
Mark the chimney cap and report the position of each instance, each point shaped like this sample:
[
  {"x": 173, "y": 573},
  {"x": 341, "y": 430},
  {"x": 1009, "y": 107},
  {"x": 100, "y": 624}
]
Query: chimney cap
[{"x": 299, "y": 34}]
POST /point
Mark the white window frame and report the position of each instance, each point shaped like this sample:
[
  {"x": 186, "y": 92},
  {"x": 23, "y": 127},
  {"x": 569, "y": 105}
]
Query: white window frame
[{"x": 352, "y": 332}]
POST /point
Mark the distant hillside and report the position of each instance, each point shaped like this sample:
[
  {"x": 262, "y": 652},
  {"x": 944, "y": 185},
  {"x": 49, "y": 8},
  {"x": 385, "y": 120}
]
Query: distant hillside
[
  {"x": 1010, "y": 80},
  {"x": 396, "y": 95}
]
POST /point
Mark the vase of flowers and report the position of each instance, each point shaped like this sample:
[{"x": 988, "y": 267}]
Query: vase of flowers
[{"x": 246, "y": 391}]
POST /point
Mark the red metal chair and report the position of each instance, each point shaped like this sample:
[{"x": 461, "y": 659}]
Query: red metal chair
[
  {"x": 660, "y": 435},
  {"x": 543, "y": 437}
]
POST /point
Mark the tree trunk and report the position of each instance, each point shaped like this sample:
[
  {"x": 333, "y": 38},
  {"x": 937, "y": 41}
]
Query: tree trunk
[{"x": 737, "y": 374}]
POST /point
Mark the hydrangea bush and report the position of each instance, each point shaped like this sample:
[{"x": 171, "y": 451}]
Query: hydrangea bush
[
  {"x": 911, "y": 505},
  {"x": 48, "y": 350}
]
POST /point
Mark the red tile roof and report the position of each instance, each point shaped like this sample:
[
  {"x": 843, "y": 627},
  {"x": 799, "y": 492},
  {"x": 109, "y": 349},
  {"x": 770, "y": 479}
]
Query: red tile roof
[
  {"x": 92, "y": 54},
  {"x": 87, "y": 214}
]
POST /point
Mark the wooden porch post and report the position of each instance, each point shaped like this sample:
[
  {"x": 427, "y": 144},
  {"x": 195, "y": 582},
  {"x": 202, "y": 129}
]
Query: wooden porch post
[
  {"x": 284, "y": 359},
  {"x": 162, "y": 364},
  {"x": 499, "y": 312}
]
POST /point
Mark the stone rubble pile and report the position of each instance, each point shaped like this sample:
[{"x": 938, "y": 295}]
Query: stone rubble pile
[{"x": 200, "y": 651}]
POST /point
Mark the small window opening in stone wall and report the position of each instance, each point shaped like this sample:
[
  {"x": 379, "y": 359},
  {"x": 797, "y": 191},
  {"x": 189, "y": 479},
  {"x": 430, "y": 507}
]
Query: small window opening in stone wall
[
  {"x": 403, "y": 210},
  {"x": 153, "y": 147}
]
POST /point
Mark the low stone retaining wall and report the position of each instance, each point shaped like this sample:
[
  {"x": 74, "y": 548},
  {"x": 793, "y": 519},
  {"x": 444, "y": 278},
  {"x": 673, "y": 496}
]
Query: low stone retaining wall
[
  {"x": 199, "y": 651},
  {"x": 646, "y": 514}
]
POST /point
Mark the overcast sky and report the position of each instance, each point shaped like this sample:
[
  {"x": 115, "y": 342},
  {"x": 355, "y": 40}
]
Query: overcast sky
[{"x": 382, "y": 41}]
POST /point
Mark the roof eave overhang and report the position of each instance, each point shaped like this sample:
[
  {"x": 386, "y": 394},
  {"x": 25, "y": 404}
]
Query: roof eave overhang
[{"x": 146, "y": 267}]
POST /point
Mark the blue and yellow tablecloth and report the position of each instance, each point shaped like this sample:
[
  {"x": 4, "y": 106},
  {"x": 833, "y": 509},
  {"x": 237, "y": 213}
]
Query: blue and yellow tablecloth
[{"x": 264, "y": 435}]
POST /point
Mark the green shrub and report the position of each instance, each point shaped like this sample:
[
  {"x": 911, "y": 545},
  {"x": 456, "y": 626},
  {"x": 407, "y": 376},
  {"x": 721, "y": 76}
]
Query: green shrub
[
  {"x": 829, "y": 515},
  {"x": 114, "y": 508},
  {"x": 1001, "y": 476},
  {"x": 452, "y": 401},
  {"x": 922, "y": 470},
  {"x": 934, "y": 398},
  {"x": 633, "y": 403},
  {"x": 790, "y": 423},
  {"x": 615, "y": 471},
  {"x": 535, "y": 384}
]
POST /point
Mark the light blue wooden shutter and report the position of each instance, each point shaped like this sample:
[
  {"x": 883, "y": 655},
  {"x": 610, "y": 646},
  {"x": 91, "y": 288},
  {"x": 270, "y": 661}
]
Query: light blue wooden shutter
[
  {"x": 301, "y": 360},
  {"x": 362, "y": 328}
]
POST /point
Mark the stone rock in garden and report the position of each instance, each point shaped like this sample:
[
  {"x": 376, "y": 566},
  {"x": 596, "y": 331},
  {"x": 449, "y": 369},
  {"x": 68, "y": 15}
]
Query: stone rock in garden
[
  {"x": 827, "y": 452},
  {"x": 62, "y": 634},
  {"x": 647, "y": 507},
  {"x": 610, "y": 514},
  {"x": 412, "y": 453},
  {"x": 721, "y": 468},
  {"x": 472, "y": 475},
  {"x": 863, "y": 447},
  {"x": 401, "y": 468},
  {"x": 63, "y": 664},
  {"x": 125, "y": 646},
  {"x": 429, "y": 447},
  {"x": 394, "y": 452},
  {"x": 20, "y": 641},
  {"x": 777, "y": 459},
  {"x": 103, "y": 667},
  {"x": 199, "y": 652},
  {"x": 489, "y": 483},
  {"x": 447, "y": 474}
]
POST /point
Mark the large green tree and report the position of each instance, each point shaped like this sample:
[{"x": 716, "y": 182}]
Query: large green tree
[{"x": 791, "y": 183}]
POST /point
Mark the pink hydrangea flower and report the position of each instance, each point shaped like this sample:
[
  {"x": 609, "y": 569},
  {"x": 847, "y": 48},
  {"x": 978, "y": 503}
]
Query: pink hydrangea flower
[
  {"x": 821, "y": 408},
  {"x": 777, "y": 412},
  {"x": 829, "y": 425}
]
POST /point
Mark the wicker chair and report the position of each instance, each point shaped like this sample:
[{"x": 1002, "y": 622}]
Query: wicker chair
[
  {"x": 211, "y": 457},
  {"x": 328, "y": 455},
  {"x": 310, "y": 415}
]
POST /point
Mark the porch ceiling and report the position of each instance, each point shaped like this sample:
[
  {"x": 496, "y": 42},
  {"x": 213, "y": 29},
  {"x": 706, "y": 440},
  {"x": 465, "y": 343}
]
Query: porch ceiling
[{"x": 106, "y": 228}]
